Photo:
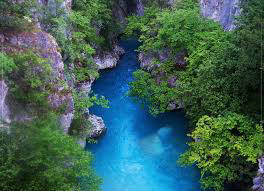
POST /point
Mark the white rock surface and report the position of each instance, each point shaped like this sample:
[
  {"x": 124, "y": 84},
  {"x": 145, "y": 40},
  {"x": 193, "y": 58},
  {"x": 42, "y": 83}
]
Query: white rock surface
[
  {"x": 98, "y": 126},
  {"x": 109, "y": 59},
  {"x": 4, "y": 110}
]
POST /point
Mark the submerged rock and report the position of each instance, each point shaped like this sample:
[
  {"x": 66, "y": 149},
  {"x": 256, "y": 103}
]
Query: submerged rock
[{"x": 152, "y": 144}]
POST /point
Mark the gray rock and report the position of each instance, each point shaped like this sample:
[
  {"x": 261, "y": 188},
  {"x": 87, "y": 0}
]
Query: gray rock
[
  {"x": 54, "y": 8},
  {"x": 170, "y": 2},
  {"x": 66, "y": 120},
  {"x": 258, "y": 181},
  {"x": 86, "y": 86},
  {"x": 175, "y": 106},
  {"x": 140, "y": 8},
  {"x": 82, "y": 142},
  {"x": 98, "y": 126},
  {"x": 223, "y": 11},
  {"x": 172, "y": 82},
  {"x": 109, "y": 59},
  {"x": 47, "y": 47},
  {"x": 179, "y": 59},
  {"x": 146, "y": 61},
  {"x": 4, "y": 109},
  {"x": 120, "y": 12}
]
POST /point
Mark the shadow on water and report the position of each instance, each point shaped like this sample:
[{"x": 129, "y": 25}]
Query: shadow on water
[{"x": 139, "y": 152}]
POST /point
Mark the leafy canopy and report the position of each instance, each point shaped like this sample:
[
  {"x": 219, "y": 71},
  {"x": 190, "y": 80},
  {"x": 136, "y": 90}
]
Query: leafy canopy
[
  {"x": 225, "y": 149},
  {"x": 37, "y": 157}
]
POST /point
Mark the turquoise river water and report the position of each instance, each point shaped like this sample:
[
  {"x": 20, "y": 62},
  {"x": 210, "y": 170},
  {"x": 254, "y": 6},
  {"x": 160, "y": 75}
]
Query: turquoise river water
[{"x": 139, "y": 152}]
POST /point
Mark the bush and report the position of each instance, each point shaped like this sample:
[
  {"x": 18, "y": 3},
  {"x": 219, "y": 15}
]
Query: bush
[
  {"x": 31, "y": 80},
  {"x": 17, "y": 16},
  {"x": 7, "y": 64},
  {"x": 38, "y": 157},
  {"x": 226, "y": 149}
]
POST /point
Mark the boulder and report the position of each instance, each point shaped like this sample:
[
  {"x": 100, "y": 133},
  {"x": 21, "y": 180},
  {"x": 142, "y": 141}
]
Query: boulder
[
  {"x": 109, "y": 59},
  {"x": 146, "y": 61},
  {"x": 98, "y": 127}
]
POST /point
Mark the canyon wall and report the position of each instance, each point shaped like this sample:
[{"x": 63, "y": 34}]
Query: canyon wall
[
  {"x": 47, "y": 47},
  {"x": 223, "y": 11},
  {"x": 45, "y": 44}
]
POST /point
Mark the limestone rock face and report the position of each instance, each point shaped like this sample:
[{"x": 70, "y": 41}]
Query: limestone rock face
[
  {"x": 223, "y": 11},
  {"x": 4, "y": 109},
  {"x": 47, "y": 47},
  {"x": 146, "y": 61},
  {"x": 120, "y": 12},
  {"x": 86, "y": 86},
  {"x": 140, "y": 8},
  {"x": 98, "y": 126},
  {"x": 258, "y": 181},
  {"x": 109, "y": 59},
  {"x": 54, "y": 8}
]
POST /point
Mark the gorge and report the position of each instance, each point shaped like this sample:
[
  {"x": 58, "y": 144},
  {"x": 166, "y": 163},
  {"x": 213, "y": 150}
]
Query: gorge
[
  {"x": 136, "y": 152},
  {"x": 183, "y": 91}
]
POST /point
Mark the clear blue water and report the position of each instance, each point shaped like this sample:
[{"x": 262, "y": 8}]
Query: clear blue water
[{"x": 139, "y": 152}]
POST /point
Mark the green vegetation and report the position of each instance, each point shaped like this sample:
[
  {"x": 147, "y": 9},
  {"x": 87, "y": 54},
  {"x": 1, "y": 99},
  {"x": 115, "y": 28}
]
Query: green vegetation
[
  {"x": 225, "y": 149},
  {"x": 219, "y": 85},
  {"x": 81, "y": 126},
  {"x": 28, "y": 77},
  {"x": 37, "y": 157},
  {"x": 8, "y": 65},
  {"x": 92, "y": 29},
  {"x": 149, "y": 92},
  {"x": 16, "y": 17}
]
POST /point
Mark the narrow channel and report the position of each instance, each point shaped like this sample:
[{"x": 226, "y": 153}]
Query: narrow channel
[{"x": 139, "y": 152}]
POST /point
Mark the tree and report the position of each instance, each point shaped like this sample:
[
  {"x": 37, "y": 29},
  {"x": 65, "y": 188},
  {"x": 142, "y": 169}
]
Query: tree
[
  {"x": 37, "y": 157},
  {"x": 225, "y": 149}
]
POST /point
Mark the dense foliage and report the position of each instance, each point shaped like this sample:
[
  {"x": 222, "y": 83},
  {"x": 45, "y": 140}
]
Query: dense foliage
[
  {"x": 87, "y": 28},
  {"x": 28, "y": 77},
  {"x": 224, "y": 147},
  {"x": 220, "y": 74},
  {"x": 218, "y": 84},
  {"x": 37, "y": 157},
  {"x": 16, "y": 16},
  {"x": 216, "y": 68}
]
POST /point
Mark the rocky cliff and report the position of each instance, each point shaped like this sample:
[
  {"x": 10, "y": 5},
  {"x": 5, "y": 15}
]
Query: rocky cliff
[
  {"x": 47, "y": 47},
  {"x": 223, "y": 11},
  {"x": 45, "y": 44},
  {"x": 258, "y": 182}
]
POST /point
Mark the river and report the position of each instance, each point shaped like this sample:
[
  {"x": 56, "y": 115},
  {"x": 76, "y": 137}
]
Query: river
[{"x": 139, "y": 152}]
